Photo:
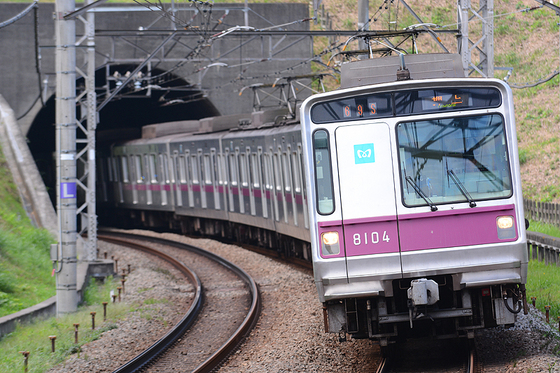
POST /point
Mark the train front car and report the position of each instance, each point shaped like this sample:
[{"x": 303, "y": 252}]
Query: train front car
[{"x": 417, "y": 226}]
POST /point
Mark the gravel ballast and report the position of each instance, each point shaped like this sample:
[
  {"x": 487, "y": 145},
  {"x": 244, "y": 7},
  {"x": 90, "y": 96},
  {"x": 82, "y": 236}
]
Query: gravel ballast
[{"x": 289, "y": 335}]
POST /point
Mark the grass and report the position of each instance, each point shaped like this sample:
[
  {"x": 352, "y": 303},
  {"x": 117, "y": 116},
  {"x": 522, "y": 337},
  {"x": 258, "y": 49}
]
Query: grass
[
  {"x": 544, "y": 280},
  {"x": 35, "y": 337},
  {"x": 25, "y": 267}
]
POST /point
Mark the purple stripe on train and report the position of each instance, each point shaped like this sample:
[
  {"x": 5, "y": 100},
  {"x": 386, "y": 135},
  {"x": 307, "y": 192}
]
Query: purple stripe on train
[
  {"x": 475, "y": 226},
  {"x": 423, "y": 231},
  {"x": 367, "y": 236}
]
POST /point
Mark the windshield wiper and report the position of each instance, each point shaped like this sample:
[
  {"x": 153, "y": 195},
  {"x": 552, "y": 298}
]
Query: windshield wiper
[
  {"x": 419, "y": 191},
  {"x": 462, "y": 188}
]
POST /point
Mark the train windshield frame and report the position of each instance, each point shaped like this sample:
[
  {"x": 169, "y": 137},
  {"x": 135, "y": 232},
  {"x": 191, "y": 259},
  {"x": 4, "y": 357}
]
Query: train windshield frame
[{"x": 453, "y": 160}]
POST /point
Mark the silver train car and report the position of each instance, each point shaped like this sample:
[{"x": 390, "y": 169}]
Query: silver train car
[
  {"x": 238, "y": 177},
  {"x": 417, "y": 221},
  {"x": 405, "y": 195}
]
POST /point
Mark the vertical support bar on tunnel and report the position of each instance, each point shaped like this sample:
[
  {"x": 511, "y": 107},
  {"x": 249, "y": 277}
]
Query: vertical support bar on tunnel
[{"x": 66, "y": 279}]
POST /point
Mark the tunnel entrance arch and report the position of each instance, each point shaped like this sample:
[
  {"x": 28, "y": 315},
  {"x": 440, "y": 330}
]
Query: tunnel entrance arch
[{"x": 145, "y": 100}]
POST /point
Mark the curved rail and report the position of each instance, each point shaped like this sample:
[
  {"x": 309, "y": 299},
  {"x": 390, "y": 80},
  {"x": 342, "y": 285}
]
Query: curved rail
[
  {"x": 229, "y": 346},
  {"x": 180, "y": 328}
]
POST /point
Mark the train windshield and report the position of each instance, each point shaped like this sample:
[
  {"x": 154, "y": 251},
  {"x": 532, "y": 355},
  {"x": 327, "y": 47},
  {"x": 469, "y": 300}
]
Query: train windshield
[{"x": 460, "y": 159}]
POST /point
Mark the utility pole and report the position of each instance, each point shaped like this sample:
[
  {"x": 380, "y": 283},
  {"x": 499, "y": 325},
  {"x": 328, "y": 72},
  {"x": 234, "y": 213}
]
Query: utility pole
[
  {"x": 66, "y": 279},
  {"x": 363, "y": 18}
]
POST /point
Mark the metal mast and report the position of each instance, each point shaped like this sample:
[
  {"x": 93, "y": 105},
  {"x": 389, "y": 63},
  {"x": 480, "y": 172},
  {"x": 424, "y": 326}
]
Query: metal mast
[
  {"x": 484, "y": 45},
  {"x": 87, "y": 100}
]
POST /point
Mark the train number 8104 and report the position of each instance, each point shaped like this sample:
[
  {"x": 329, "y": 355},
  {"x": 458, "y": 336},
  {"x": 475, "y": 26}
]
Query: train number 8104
[{"x": 374, "y": 238}]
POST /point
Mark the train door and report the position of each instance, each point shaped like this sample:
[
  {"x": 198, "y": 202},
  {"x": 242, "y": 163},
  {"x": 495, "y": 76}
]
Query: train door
[{"x": 367, "y": 197}]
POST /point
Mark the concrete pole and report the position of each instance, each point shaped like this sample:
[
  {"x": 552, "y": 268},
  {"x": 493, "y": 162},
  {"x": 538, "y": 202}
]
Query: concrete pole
[
  {"x": 67, "y": 296},
  {"x": 363, "y": 17}
]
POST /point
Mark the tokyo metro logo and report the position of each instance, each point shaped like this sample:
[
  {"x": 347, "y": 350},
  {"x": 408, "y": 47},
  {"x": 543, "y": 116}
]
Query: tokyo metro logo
[{"x": 363, "y": 153}]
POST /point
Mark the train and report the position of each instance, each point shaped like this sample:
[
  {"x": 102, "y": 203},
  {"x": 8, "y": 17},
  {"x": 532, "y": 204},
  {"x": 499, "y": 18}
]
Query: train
[{"x": 402, "y": 188}]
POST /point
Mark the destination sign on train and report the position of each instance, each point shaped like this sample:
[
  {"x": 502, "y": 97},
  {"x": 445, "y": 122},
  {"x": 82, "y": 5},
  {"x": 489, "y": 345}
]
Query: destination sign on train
[
  {"x": 445, "y": 100},
  {"x": 401, "y": 103}
]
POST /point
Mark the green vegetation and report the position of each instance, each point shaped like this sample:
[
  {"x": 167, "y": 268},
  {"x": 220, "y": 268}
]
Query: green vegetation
[
  {"x": 25, "y": 267},
  {"x": 35, "y": 337},
  {"x": 544, "y": 280}
]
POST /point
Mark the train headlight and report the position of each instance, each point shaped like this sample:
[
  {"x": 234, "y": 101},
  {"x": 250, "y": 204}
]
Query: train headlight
[
  {"x": 330, "y": 243},
  {"x": 506, "y": 229}
]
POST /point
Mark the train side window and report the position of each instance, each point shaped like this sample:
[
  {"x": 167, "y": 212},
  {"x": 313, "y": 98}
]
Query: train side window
[
  {"x": 171, "y": 162},
  {"x": 221, "y": 169},
  {"x": 115, "y": 163},
  {"x": 124, "y": 163},
  {"x": 182, "y": 169},
  {"x": 287, "y": 174},
  {"x": 214, "y": 166},
  {"x": 243, "y": 162},
  {"x": 233, "y": 169},
  {"x": 207, "y": 170},
  {"x": 296, "y": 172},
  {"x": 255, "y": 171},
  {"x": 132, "y": 168},
  {"x": 323, "y": 172},
  {"x": 194, "y": 168},
  {"x": 152, "y": 168},
  {"x": 277, "y": 172},
  {"x": 267, "y": 172},
  {"x": 110, "y": 169},
  {"x": 301, "y": 167},
  {"x": 139, "y": 173},
  {"x": 164, "y": 168}
]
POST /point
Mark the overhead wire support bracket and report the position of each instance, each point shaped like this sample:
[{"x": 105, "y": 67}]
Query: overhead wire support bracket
[{"x": 550, "y": 6}]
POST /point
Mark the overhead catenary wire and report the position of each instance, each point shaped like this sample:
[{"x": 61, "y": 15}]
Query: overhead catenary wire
[
  {"x": 19, "y": 16},
  {"x": 534, "y": 84}
]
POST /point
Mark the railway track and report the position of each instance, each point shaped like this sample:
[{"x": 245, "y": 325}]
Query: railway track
[
  {"x": 431, "y": 356},
  {"x": 226, "y": 306}
]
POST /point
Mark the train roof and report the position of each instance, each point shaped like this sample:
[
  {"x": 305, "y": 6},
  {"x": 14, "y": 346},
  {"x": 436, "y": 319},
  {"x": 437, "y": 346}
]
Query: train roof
[
  {"x": 234, "y": 122},
  {"x": 385, "y": 70}
]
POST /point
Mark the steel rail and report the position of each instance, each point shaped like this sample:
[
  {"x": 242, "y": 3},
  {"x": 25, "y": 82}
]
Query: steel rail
[
  {"x": 242, "y": 331},
  {"x": 180, "y": 328}
]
